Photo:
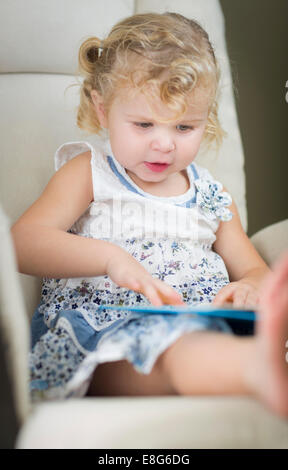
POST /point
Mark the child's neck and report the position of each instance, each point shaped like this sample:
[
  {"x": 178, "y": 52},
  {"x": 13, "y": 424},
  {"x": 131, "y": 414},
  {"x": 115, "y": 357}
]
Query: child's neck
[{"x": 175, "y": 185}]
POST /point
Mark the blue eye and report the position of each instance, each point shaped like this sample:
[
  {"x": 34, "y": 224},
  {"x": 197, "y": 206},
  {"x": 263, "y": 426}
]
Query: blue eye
[
  {"x": 183, "y": 128},
  {"x": 143, "y": 125}
]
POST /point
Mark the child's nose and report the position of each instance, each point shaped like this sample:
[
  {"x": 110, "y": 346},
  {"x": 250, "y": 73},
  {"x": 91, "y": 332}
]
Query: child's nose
[{"x": 163, "y": 142}]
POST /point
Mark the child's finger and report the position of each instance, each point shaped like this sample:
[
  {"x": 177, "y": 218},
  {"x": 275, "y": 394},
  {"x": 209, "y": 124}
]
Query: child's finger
[
  {"x": 152, "y": 294},
  {"x": 134, "y": 285},
  {"x": 144, "y": 287},
  {"x": 172, "y": 299},
  {"x": 252, "y": 300},
  {"x": 168, "y": 294},
  {"x": 224, "y": 295},
  {"x": 240, "y": 297},
  {"x": 155, "y": 290},
  {"x": 131, "y": 283}
]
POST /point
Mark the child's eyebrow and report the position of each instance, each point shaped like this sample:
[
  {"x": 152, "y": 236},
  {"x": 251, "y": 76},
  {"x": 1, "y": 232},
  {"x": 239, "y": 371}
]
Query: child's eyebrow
[
  {"x": 193, "y": 119},
  {"x": 138, "y": 117}
]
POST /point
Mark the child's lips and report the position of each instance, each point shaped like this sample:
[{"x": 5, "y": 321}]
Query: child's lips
[{"x": 157, "y": 167}]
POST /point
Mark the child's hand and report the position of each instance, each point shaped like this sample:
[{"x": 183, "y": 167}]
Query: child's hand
[
  {"x": 128, "y": 272},
  {"x": 241, "y": 294}
]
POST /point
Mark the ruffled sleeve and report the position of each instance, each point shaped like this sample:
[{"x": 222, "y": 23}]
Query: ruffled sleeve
[
  {"x": 211, "y": 199},
  {"x": 68, "y": 151}
]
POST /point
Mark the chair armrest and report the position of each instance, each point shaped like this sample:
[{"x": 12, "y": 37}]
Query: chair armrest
[
  {"x": 271, "y": 241},
  {"x": 14, "y": 325}
]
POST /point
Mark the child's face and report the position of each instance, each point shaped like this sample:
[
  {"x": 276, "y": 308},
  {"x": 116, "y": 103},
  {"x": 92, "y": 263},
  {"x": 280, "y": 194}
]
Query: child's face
[{"x": 152, "y": 151}]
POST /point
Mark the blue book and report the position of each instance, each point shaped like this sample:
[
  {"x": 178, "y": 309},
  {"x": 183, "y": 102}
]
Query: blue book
[{"x": 204, "y": 310}]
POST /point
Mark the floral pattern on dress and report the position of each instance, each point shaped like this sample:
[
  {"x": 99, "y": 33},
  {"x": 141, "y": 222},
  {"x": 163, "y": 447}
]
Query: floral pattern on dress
[
  {"x": 52, "y": 363},
  {"x": 78, "y": 335},
  {"x": 196, "y": 272},
  {"x": 59, "y": 370},
  {"x": 212, "y": 200}
]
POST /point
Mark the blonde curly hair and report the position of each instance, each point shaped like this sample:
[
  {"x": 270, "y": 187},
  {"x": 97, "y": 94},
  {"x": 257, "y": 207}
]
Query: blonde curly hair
[{"x": 165, "y": 54}]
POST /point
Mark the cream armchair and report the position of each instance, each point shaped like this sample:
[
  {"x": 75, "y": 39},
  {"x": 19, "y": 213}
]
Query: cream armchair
[{"x": 38, "y": 64}]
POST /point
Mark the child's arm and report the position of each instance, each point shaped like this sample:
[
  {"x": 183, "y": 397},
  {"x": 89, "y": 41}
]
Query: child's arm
[
  {"x": 44, "y": 248},
  {"x": 245, "y": 266}
]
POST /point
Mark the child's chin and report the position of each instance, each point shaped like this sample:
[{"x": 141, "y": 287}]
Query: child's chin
[{"x": 147, "y": 176}]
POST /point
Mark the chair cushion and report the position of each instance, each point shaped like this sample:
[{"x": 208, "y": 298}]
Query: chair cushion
[{"x": 153, "y": 423}]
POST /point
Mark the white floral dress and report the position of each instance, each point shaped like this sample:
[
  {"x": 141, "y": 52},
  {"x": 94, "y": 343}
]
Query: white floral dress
[{"x": 171, "y": 237}]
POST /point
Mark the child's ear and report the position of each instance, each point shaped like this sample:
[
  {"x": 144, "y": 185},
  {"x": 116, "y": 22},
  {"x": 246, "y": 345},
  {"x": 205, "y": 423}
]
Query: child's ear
[{"x": 98, "y": 102}]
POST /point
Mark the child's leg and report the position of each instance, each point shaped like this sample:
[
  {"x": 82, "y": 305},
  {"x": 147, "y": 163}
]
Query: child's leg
[
  {"x": 210, "y": 363},
  {"x": 215, "y": 363},
  {"x": 120, "y": 378},
  {"x": 198, "y": 363}
]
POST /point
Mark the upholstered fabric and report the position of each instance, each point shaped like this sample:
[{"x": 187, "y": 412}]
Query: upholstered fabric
[
  {"x": 272, "y": 241},
  {"x": 38, "y": 61},
  {"x": 13, "y": 321},
  {"x": 43, "y": 37},
  {"x": 154, "y": 423}
]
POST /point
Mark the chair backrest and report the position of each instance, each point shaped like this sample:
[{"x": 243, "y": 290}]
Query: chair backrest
[{"x": 39, "y": 62}]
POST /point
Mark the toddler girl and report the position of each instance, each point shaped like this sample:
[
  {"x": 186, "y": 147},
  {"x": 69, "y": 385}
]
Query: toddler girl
[{"x": 139, "y": 222}]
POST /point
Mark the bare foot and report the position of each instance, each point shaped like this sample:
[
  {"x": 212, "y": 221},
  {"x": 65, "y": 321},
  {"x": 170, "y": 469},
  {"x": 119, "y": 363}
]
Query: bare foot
[{"x": 272, "y": 338}]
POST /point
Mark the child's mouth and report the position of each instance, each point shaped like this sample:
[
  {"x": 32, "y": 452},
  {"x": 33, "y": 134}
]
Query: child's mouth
[{"x": 157, "y": 167}]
